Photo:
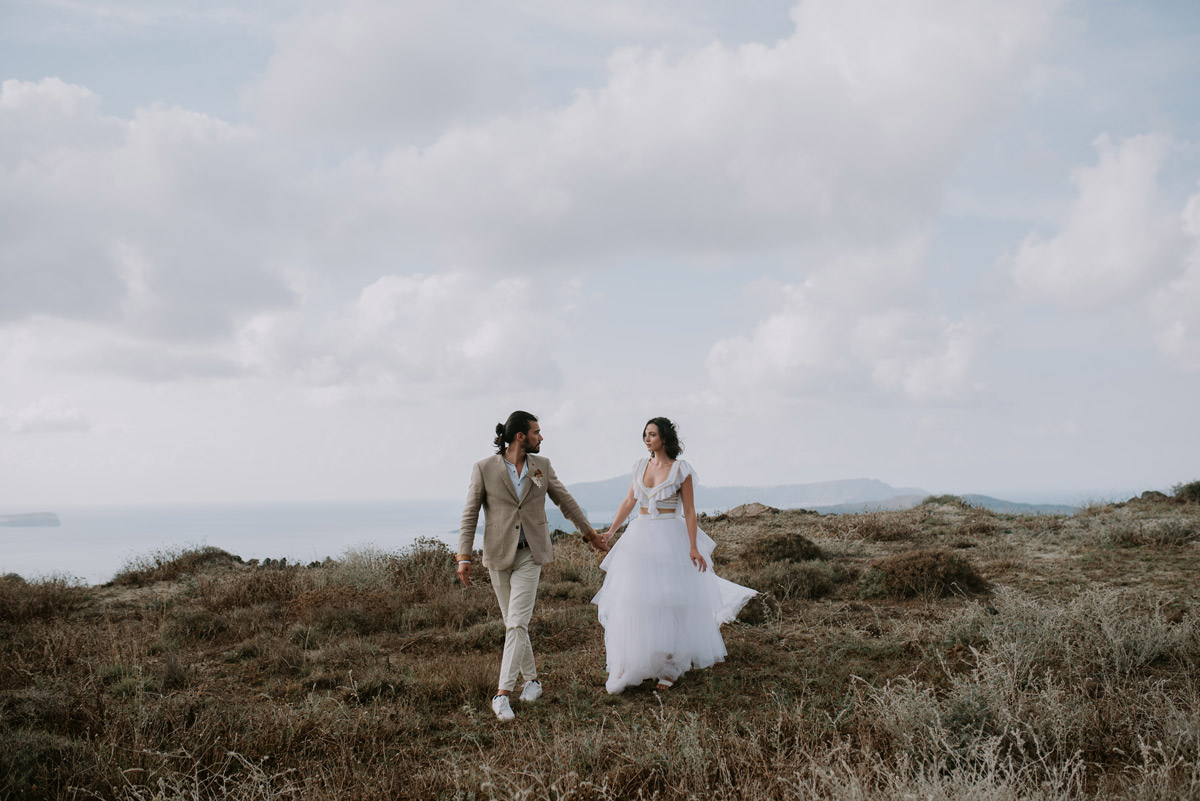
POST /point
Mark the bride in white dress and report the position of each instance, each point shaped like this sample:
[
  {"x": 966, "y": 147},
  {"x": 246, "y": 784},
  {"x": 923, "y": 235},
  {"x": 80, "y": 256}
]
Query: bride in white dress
[{"x": 661, "y": 606}]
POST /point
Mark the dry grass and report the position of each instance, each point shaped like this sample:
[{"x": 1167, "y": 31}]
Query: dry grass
[
  {"x": 862, "y": 674},
  {"x": 877, "y": 526},
  {"x": 170, "y": 564},
  {"x": 56, "y": 596}
]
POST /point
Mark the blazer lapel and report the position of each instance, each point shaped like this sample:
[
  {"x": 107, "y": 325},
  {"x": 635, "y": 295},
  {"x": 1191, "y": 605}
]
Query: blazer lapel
[
  {"x": 530, "y": 468},
  {"x": 505, "y": 478}
]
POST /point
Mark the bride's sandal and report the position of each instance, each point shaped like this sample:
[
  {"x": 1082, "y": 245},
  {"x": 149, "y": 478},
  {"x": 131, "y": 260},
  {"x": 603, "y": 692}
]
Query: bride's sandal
[{"x": 664, "y": 685}]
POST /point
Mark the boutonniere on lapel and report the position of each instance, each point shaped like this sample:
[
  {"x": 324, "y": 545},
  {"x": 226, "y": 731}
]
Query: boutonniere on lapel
[{"x": 537, "y": 478}]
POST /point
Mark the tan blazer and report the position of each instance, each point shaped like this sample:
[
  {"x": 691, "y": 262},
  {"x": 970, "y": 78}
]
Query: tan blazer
[{"x": 505, "y": 514}]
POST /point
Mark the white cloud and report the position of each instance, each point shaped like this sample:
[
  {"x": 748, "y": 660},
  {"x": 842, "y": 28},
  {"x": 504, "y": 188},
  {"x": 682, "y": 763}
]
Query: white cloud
[
  {"x": 54, "y": 414},
  {"x": 178, "y": 227},
  {"x": 1175, "y": 308},
  {"x": 369, "y": 72},
  {"x": 845, "y": 331},
  {"x": 1119, "y": 238},
  {"x": 842, "y": 132},
  {"x": 163, "y": 224},
  {"x": 43, "y": 117},
  {"x": 407, "y": 336}
]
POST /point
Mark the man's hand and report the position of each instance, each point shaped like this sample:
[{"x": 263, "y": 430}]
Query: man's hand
[
  {"x": 464, "y": 571},
  {"x": 595, "y": 540}
]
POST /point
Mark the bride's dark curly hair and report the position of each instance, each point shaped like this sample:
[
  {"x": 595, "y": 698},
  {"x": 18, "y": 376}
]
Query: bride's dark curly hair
[{"x": 670, "y": 437}]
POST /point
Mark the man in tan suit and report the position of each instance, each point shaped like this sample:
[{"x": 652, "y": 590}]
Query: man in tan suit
[{"x": 511, "y": 487}]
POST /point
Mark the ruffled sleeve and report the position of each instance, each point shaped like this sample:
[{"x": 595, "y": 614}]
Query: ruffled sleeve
[
  {"x": 685, "y": 470},
  {"x": 635, "y": 482}
]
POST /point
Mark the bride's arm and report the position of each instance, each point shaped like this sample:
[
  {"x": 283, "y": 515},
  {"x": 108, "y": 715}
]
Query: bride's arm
[
  {"x": 622, "y": 513},
  {"x": 687, "y": 497}
]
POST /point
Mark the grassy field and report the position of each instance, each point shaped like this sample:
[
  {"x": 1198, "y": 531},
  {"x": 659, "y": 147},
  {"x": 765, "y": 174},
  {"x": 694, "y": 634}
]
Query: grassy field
[{"x": 943, "y": 652}]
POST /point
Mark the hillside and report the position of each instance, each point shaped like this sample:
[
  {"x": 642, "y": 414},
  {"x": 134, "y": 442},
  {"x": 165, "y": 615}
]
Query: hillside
[{"x": 943, "y": 651}]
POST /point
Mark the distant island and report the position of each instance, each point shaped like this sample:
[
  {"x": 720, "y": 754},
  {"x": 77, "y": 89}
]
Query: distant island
[{"x": 34, "y": 519}]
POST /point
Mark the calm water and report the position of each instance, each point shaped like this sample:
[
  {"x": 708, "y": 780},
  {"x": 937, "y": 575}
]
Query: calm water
[{"x": 94, "y": 543}]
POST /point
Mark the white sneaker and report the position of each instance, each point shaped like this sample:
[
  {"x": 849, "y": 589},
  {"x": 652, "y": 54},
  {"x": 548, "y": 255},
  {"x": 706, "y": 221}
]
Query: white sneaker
[
  {"x": 502, "y": 708},
  {"x": 532, "y": 690}
]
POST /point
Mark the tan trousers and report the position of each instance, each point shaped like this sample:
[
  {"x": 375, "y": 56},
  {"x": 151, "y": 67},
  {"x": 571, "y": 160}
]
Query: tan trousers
[{"x": 516, "y": 590}]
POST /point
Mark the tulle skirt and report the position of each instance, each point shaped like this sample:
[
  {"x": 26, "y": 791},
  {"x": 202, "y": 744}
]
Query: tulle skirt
[{"x": 662, "y": 616}]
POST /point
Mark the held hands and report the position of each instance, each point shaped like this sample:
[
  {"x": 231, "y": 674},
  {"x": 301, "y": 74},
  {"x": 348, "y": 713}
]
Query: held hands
[
  {"x": 600, "y": 543},
  {"x": 698, "y": 560}
]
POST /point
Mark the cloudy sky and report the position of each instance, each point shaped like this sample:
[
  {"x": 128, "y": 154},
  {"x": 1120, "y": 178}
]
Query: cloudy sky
[{"x": 316, "y": 250}]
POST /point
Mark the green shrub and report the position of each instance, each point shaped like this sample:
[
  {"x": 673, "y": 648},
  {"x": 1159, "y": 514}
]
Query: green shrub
[{"x": 1189, "y": 492}]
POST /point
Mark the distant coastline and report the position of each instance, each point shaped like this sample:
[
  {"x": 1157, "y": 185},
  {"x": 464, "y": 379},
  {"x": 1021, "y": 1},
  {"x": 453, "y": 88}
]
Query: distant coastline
[{"x": 33, "y": 519}]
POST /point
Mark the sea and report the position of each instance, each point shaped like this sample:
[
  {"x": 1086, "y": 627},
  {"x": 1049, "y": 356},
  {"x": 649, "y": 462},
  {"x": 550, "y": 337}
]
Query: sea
[{"x": 94, "y": 543}]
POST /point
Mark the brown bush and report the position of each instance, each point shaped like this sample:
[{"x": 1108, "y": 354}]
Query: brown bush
[
  {"x": 174, "y": 673},
  {"x": 485, "y": 637},
  {"x": 32, "y": 763},
  {"x": 426, "y": 563},
  {"x": 788, "y": 580},
  {"x": 460, "y": 608},
  {"x": 762, "y": 608},
  {"x": 946, "y": 500},
  {"x": 273, "y": 586},
  {"x": 978, "y": 524},
  {"x": 1168, "y": 532},
  {"x": 346, "y": 609},
  {"x": 21, "y": 600},
  {"x": 788, "y": 546},
  {"x": 932, "y": 573},
  {"x": 168, "y": 564},
  {"x": 195, "y": 625}
]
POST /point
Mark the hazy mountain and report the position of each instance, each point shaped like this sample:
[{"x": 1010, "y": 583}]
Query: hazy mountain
[
  {"x": 601, "y": 498},
  {"x": 1012, "y": 507},
  {"x": 32, "y": 519},
  {"x": 894, "y": 503},
  {"x": 982, "y": 501}
]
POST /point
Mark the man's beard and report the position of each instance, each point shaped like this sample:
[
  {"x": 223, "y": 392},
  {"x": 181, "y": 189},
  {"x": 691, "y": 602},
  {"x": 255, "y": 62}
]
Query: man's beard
[{"x": 533, "y": 449}]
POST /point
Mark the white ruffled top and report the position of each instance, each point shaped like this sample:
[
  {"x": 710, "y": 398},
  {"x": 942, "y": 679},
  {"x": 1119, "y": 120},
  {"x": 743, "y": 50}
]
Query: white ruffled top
[{"x": 664, "y": 496}]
